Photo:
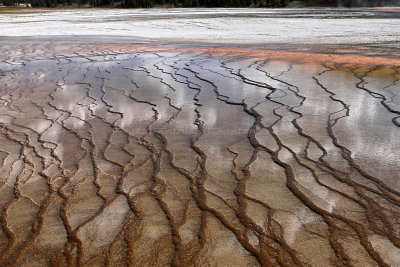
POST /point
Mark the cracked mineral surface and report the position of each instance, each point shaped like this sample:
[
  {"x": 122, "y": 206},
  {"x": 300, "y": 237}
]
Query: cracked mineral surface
[{"x": 124, "y": 152}]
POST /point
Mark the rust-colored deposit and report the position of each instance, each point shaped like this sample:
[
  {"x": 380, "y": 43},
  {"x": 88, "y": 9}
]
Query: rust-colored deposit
[{"x": 148, "y": 155}]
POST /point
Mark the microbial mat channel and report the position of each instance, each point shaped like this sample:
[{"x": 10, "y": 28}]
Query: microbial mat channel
[{"x": 142, "y": 155}]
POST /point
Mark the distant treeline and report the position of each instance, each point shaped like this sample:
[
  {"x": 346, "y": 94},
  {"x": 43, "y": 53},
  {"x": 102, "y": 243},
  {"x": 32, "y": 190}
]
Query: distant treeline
[
  {"x": 205, "y": 3},
  {"x": 198, "y": 3},
  {"x": 152, "y": 3}
]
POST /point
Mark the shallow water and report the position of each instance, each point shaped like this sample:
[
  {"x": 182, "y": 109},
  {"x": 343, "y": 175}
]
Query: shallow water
[{"x": 147, "y": 155}]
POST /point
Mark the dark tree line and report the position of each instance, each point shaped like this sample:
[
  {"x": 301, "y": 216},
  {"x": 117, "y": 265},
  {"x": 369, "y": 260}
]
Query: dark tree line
[
  {"x": 206, "y": 3},
  {"x": 197, "y": 3},
  {"x": 153, "y": 3}
]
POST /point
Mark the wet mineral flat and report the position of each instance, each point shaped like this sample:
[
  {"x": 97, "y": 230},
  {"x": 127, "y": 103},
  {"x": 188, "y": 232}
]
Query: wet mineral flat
[{"x": 129, "y": 152}]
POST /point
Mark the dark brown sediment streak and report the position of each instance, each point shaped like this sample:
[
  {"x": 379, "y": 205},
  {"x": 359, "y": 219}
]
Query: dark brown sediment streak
[{"x": 121, "y": 154}]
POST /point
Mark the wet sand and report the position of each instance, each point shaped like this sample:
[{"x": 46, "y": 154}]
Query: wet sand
[{"x": 123, "y": 154}]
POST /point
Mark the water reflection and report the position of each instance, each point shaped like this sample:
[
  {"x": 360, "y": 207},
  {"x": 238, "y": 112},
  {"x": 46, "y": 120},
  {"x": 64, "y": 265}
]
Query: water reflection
[{"x": 198, "y": 158}]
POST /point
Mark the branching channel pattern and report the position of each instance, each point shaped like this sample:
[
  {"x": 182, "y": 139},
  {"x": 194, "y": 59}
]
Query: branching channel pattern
[{"x": 119, "y": 155}]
